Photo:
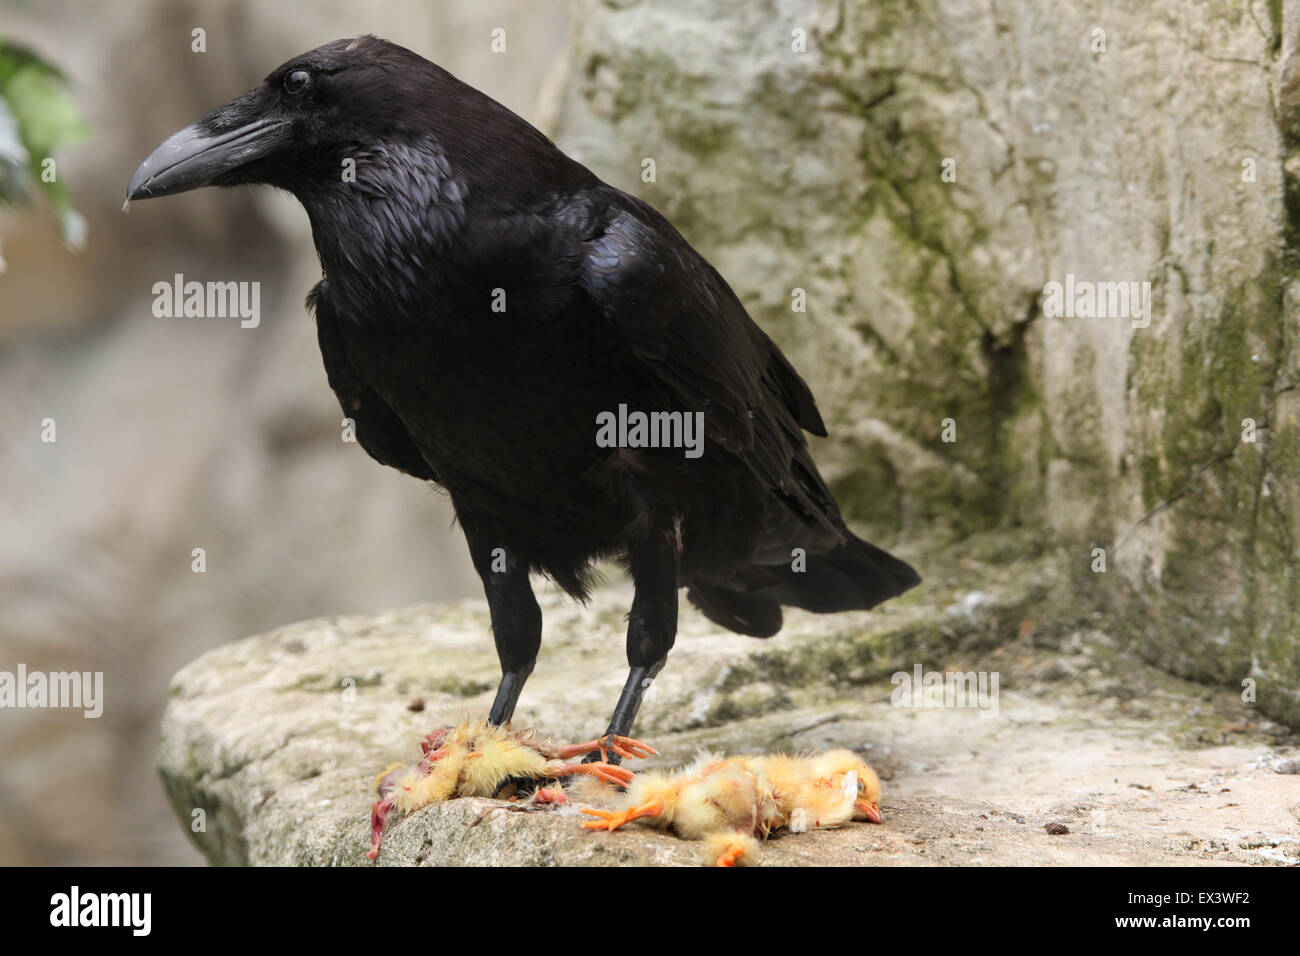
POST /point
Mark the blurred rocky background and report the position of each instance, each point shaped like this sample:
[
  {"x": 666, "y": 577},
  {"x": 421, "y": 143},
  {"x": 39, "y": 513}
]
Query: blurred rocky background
[{"x": 801, "y": 145}]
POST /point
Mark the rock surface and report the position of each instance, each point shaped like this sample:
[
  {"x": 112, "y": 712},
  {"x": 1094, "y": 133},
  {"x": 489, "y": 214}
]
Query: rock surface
[
  {"x": 270, "y": 745},
  {"x": 1155, "y": 142}
]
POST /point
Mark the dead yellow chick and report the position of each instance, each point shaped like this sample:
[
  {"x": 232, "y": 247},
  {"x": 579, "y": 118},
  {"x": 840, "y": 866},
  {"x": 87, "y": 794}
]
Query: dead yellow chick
[
  {"x": 732, "y": 803},
  {"x": 480, "y": 759}
]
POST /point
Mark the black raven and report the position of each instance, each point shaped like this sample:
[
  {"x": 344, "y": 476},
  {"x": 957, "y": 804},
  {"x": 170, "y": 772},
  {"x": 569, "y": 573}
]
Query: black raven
[{"x": 549, "y": 349}]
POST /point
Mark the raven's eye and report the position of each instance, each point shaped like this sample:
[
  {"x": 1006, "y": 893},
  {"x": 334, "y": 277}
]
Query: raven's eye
[{"x": 296, "y": 81}]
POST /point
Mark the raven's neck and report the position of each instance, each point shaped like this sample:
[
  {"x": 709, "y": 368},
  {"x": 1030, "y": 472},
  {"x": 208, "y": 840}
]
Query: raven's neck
[{"x": 381, "y": 229}]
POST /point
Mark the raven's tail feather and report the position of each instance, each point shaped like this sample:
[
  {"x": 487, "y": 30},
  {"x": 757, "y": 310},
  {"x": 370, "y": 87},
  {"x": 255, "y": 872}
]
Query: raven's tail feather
[
  {"x": 854, "y": 576},
  {"x": 736, "y": 610}
]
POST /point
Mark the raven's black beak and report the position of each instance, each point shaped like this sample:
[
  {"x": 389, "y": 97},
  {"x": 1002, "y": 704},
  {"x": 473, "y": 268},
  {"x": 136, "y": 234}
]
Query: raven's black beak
[{"x": 197, "y": 155}]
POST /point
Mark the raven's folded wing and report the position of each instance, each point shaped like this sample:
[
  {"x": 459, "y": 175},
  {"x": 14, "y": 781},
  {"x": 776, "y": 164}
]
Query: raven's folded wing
[
  {"x": 683, "y": 321},
  {"x": 378, "y": 429}
]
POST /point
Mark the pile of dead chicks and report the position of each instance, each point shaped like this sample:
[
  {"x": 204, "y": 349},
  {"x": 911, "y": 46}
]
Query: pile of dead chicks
[{"x": 729, "y": 803}]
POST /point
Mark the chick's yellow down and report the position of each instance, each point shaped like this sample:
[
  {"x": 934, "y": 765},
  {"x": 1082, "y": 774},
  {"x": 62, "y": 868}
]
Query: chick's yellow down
[
  {"x": 731, "y": 803},
  {"x": 821, "y": 791},
  {"x": 711, "y": 794},
  {"x": 479, "y": 759}
]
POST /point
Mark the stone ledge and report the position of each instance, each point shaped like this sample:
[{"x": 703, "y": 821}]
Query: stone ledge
[{"x": 277, "y": 739}]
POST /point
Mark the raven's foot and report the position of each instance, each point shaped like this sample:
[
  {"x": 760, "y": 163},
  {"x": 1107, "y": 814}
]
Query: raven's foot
[
  {"x": 619, "y": 745},
  {"x": 613, "y": 819}
]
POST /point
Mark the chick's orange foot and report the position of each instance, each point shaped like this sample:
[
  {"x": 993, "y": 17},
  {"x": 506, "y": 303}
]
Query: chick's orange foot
[
  {"x": 730, "y": 855},
  {"x": 613, "y": 819},
  {"x": 730, "y": 849}
]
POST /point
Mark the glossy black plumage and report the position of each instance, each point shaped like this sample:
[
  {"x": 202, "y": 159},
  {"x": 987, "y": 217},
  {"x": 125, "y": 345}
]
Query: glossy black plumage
[{"x": 457, "y": 205}]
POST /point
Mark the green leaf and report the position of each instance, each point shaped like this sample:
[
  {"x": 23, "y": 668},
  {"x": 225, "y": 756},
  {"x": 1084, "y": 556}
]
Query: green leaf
[{"x": 37, "y": 119}]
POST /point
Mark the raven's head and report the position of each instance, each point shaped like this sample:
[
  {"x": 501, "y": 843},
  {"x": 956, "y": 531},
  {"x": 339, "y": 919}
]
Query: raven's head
[{"x": 297, "y": 129}]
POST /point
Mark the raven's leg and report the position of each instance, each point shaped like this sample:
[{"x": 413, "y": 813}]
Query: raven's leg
[
  {"x": 651, "y": 626},
  {"x": 516, "y": 618}
]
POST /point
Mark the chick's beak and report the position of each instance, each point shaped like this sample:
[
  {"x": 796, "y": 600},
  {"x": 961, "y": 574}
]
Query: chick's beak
[
  {"x": 870, "y": 811},
  {"x": 198, "y": 154}
]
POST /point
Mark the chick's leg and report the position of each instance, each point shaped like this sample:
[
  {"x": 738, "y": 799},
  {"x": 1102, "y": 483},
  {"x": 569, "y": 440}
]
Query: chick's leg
[
  {"x": 516, "y": 618},
  {"x": 600, "y": 770},
  {"x": 651, "y": 627}
]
